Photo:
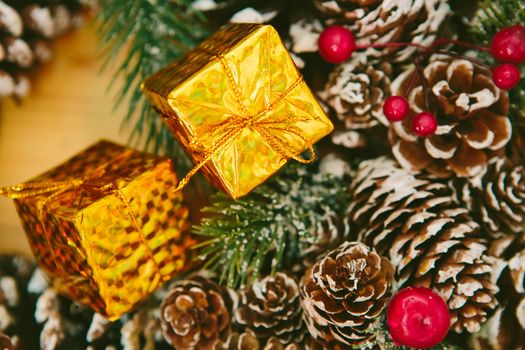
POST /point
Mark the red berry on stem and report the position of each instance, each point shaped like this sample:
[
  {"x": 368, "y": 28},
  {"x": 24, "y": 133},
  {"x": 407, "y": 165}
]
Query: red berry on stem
[
  {"x": 508, "y": 45},
  {"x": 424, "y": 124},
  {"x": 336, "y": 44},
  {"x": 395, "y": 108},
  {"x": 417, "y": 317},
  {"x": 506, "y": 76}
]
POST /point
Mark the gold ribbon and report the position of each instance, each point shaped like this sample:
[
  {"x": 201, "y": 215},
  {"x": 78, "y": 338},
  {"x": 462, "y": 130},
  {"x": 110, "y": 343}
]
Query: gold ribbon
[
  {"x": 90, "y": 182},
  {"x": 231, "y": 128}
]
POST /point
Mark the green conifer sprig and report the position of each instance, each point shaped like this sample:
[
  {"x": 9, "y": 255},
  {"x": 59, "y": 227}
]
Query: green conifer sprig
[
  {"x": 144, "y": 36},
  {"x": 266, "y": 230}
]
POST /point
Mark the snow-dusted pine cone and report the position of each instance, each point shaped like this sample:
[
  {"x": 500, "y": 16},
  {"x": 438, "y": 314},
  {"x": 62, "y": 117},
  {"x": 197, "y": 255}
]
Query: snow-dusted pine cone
[
  {"x": 27, "y": 28},
  {"x": 497, "y": 197},
  {"x": 271, "y": 307},
  {"x": 381, "y": 21},
  {"x": 336, "y": 291},
  {"x": 510, "y": 269},
  {"x": 247, "y": 341},
  {"x": 430, "y": 240},
  {"x": 472, "y": 115},
  {"x": 356, "y": 91},
  {"x": 503, "y": 331},
  {"x": 195, "y": 315}
]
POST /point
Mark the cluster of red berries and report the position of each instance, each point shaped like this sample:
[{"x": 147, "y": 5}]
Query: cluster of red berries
[{"x": 337, "y": 44}]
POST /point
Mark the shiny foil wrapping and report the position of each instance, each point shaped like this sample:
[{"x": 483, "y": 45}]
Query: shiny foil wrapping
[
  {"x": 112, "y": 231},
  {"x": 243, "y": 71}
]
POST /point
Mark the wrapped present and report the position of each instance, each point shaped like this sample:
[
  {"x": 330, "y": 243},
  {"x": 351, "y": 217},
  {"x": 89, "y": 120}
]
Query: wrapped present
[
  {"x": 106, "y": 226},
  {"x": 239, "y": 106}
]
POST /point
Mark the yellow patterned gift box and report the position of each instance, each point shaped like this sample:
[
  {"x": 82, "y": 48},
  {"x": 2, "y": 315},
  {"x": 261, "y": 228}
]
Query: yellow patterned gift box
[
  {"x": 106, "y": 226},
  {"x": 239, "y": 106}
]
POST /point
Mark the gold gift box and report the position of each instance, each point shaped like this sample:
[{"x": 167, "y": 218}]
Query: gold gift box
[
  {"x": 106, "y": 226},
  {"x": 239, "y": 106}
]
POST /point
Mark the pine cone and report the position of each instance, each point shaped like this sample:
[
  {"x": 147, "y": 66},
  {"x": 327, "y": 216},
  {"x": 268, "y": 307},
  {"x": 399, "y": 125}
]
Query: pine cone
[
  {"x": 431, "y": 241},
  {"x": 27, "y": 28},
  {"x": 502, "y": 331},
  {"x": 509, "y": 269},
  {"x": 497, "y": 196},
  {"x": 247, "y": 341},
  {"x": 472, "y": 115},
  {"x": 344, "y": 293},
  {"x": 195, "y": 315},
  {"x": 381, "y": 21},
  {"x": 271, "y": 307}
]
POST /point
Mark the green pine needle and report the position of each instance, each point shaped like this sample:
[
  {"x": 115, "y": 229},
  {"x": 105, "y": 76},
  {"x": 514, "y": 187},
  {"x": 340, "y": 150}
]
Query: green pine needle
[
  {"x": 147, "y": 35},
  {"x": 264, "y": 231}
]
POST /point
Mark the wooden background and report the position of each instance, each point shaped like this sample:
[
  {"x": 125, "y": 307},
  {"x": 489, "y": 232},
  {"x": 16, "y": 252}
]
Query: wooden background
[{"x": 68, "y": 110}]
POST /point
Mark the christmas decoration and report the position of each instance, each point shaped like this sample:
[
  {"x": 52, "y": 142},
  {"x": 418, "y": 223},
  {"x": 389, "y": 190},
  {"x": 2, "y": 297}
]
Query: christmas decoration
[
  {"x": 344, "y": 293},
  {"x": 508, "y": 45},
  {"x": 270, "y": 307},
  {"x": 471, "y": 112},
  {"x": 336, "y": 44},
  {"x": 108, "y": 209},
  {"x": 395, "y": 108},
  {"x": 195, "y": 315},
  {"x": 506, "y": 76},
  {"x": 27, "y": 29},
  {"x": 257, "y": 114},
  {"x": 417, "y": 317},
  {"x": 424, "y": 124},
  {"x": 496, "y": 197},
  {"x": 431, "y": 241},
  {"x": 380, "y": 21}
]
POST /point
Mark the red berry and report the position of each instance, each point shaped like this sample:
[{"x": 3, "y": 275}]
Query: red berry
[
  {"x": 417, "y": 317},
  {"x": 336, "y": 44},
  {"x": 424, "y": 124},
  {"x": 508, "y": 45},
  {"x": 395, "y": 108},
  {"x": 506, "y": 76}
]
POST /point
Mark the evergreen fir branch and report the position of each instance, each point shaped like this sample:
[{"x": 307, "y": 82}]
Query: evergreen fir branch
[
  {"x": 149, "y": 34},
  {"x": 265, "y": 231},
  {"x": 490, "y": 18}
]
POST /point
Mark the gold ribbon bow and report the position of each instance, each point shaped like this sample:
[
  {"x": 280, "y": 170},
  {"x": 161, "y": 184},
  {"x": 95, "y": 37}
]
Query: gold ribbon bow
[
  {"x": 96, "y": 180},
  {"x": 231, "y": 128}
]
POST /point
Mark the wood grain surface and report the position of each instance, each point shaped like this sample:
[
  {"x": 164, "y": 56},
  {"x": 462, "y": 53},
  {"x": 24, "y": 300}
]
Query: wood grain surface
[{"x": 68, "y": 110}]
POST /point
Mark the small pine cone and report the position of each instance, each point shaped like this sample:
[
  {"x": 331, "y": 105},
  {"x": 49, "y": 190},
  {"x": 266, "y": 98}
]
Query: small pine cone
[
  {"x": 271, "y": 307},
  {"x": 26, "y": 29},
  {"x": 430, "y": 240},
  {"x": 356, "y": 92},
  {"x": 497, "y": 197},
  {"x": 344, "y": 293},
  {"x": 195, "y": 315},
  {"x": 381, "y": 21},
  {"x": 247, "y": 341},
  {"x": 503, "y": 331},
  {"x": 472, "y": 115}
]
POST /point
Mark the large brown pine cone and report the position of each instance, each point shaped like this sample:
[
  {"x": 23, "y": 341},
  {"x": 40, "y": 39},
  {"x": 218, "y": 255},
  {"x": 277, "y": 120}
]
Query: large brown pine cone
[
  {"x": 472, "y": 115},
  {"x": 497, "y": 196},
  {"x": 356, "y": 91},
  {"x": 344, "y": 293},
  {"x": 27, "y": 28},
  {"x": 381, "y": 21},
  {"x": 270, "y": 307},
  {"x": 195, "y": 315},
  {"x": 430, "y": 240}
]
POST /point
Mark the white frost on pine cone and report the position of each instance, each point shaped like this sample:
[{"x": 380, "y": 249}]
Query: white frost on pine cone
[
  {"x": 251, "y": 15},
  {"x": 10, "y": 20},
  {"x": 5, "y": 318},
  {"x": 43, "y": 20},
  {"x": 62, "y": 20},
  {"x": 46, "y": 305},
  {"x": 131, "y": 332},
  {"x": 8, "y": 288},
  {"x": 38, "y": 282},
  {"x": 520, "y": 312},
  {"x": 305, "y": 34},
  {"x": 97, "y": 328},
  {"x": 22, "y": 87},
  {"x": 348, "y": 139},
  {"x": 205, "y": 5},
  {"x": 334, "y": 165},
  {"x": 20, "y": 53},
  {"x": 7, "y": 84},
  {"x": 52, "y": 333}
]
